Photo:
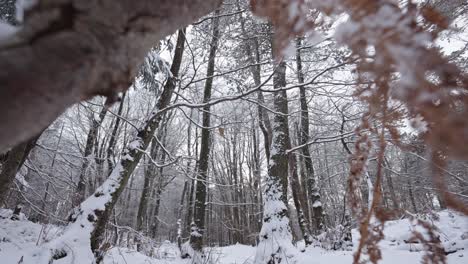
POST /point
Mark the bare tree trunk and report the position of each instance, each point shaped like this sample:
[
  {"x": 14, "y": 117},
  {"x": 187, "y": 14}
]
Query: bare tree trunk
[
  {"x": 275, "y": 235},
  {"x": 14, "y": 161},
  {"x": 190, "y": 182},
  {"x": 145, "y": 193},
  {"x": 187, "y": 191},
  {"x": 158, "y": 190},
  {"x": 410, "y": 184},
  {"x": 190, "y": 209},
  {"x": 299, "y": 199},
  {"x": 128, "y": 200},
  {"x": 179, "y": 215},
  {"x": 236, "y": 194},
  {"x": 80, "y": 193},
  {"x": 391, "y": 188},
  {"x": 257, "y": 195},
  {"x": 110, "y": 152},
  {"x": 312, "y": 188},
  {"x": 196, "y": 235}
]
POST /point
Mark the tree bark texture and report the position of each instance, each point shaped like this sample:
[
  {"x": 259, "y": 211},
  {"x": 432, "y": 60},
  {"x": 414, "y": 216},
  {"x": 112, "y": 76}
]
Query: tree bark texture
[
  {"x": 80, "y": 193},
  {"x": 197, "y": 229},
  {"x": 110, "y": 152},
  {"x": 313, "y": 192},
  {"x": 275, "y": 235}
]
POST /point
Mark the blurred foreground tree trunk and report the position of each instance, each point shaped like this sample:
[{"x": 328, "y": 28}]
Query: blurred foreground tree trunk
[{"x": 68, "y": 51}]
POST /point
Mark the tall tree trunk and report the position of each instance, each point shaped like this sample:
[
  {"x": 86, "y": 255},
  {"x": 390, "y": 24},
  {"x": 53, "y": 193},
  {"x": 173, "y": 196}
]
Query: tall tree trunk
[
  {"x": 391, "y": 188},
  {"x": 303, "y": 180},
  {"x": 110, "y": 152},
  {"x": 407, "y": 169},
  {"x": 158, "y": 188},
  {"x": 145, "y": 193},
  {"x": 257, "y": 190},
  {"x": 312, "y": 188},
  {"x": 80, "y": 193},
  {"x": 251, "y": 47},
  {"x": 299, "y": 199},
  {"x": 275, "y": 235},
  {"x": 190, "y": 207},
  {"x": 235, "y": 195},
  {"x": 181, "y": 226},
  {"x": 179, "y": 215},
  {"x": 196, "y": 234},
  {"x": 190, "y": 182}
]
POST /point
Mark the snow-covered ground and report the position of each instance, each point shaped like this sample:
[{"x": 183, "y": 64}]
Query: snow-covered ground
[{"x": 18, "y": 237}]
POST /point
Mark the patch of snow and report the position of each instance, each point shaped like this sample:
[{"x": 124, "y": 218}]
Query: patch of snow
[{"x": 20, "y": 238}]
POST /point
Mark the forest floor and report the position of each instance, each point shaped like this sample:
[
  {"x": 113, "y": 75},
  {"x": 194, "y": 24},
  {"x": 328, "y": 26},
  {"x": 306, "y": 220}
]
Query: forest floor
[{"x": 17, "y": 237}]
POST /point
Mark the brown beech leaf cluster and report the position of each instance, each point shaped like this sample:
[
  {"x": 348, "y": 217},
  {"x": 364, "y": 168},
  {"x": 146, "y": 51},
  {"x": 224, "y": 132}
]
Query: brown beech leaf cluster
[{"x": 392, "y": 43}]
